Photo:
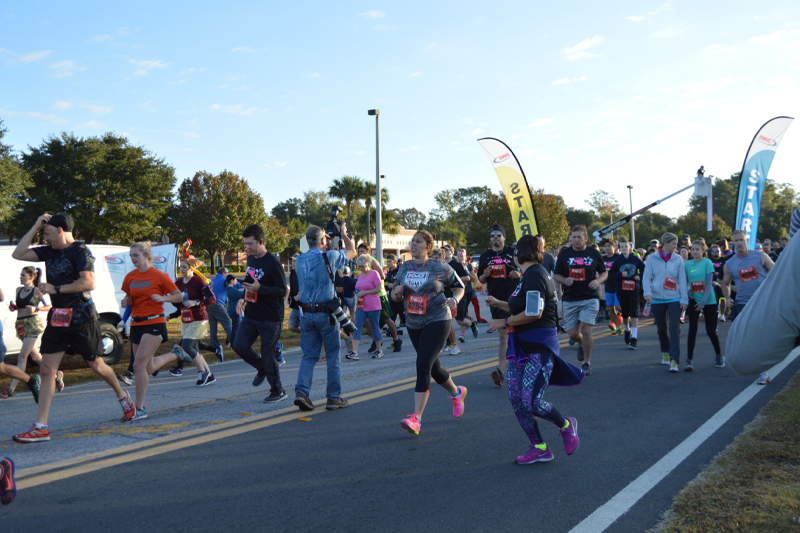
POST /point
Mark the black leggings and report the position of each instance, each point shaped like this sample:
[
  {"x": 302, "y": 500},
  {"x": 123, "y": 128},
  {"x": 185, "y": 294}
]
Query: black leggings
[
  {"x": 191, "y": 346},
  {"x": 428, "y": 342},
  {"x": 710, "y": 313}
]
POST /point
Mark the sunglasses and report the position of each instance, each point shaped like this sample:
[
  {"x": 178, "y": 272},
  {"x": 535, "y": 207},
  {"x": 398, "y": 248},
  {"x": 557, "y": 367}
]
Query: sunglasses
[{"x": 495, "y": 235}]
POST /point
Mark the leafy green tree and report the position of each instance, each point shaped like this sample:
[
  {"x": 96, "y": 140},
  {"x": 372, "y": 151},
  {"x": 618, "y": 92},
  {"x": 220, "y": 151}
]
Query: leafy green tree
[
  {"x": 113, "y": 190},
  {"x": 695, "y": 224},
  {"x": 213, "y": 210},
  {"x": 550, "y": 212},
  {"x": 649, "y": 225},
  {"x": 576, "y": 216},
  {"x": 410, "y": 218},
  {"x": 14, "y": 181},
  {"x": 605, "y": 206},
  {"x": 349, "y": 189},
  {"x": 726, "y": 194},
  {"x": 296, "y": 214}
]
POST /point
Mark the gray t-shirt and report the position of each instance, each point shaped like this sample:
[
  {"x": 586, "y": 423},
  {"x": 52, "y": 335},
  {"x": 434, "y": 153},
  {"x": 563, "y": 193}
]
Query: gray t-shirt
[
  {"x": 748, "y": 273},
  {"x": 423, "y": 291}
]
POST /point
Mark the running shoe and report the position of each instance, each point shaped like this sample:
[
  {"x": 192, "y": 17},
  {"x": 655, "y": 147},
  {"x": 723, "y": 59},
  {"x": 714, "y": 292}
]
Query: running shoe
[
  {"x": 397, "y": 345},
  {"x": 665, "y": 358},
  {"x": 141, "y": 414},
  {"x": 627, "y": 337},
  {"x": 34, "y": 384},
  {"x": 276, "y": 397},
  {"x": 373, "y": 347},
  {"x": 489, "y": 330},
  {"x": 445, "y": 349},
  {"x": 763, "y": 379},
  {"x": 205, "y": 378},
  {"x": 8, "y": 486},
  {"x": 719, "y": 361},
  {"x": 461, "y": 338},
  {"x": 572, "y": 342},
  {"x": 483, "y": 321},
  {"x": 59, "y": 381},
  {"x": 154, "y": 374},
  {"x": 633, "y": 344},
  {"x": 581, "y": 355},
  {"x": 126, "y": 378},
  {"x": 177, "y": 372},
  {"x": 497, "y": 377},
  {"x": 279, "y": 352},
  {"x": 535, "y": 455},
  {"x": 673, "y": 365},
  {"x": 619, "y": 331},
  {"x": 128, "y": 408},
  {"x": 323, "y": 358},
  {"x": 220, "y": 354},
  {"x": 352, "y": 356},
  {"x": 411, "y": 424},
  {"x": 474, "y": 328},
  {"x": 612, "y": 326},
  {"x": 689, "y": 366},
  {"x": 722, "y": 318},
  {"x": 455, "y": 350},
  {"x": 183, "y": 356},
  {"x": 303, "y": 402},
  {"x": 587, "y": 369},
  {"x": 259, "y": 379},
  {"x": 570, "y": 436},
  {"x": 562, "y": 328},
  {"x": 458, "y": 402},
  {"x": 6, "y": 394},
  {"x": 332, "y": 405},
  {"x": 377, "y": 355},
  {"x": 33, "y": 435}
]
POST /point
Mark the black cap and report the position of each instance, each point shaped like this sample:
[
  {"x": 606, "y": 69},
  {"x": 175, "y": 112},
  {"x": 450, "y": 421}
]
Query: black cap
[
  {"x": 64, "y": 222},
  {"x": 498, "y": 227}
]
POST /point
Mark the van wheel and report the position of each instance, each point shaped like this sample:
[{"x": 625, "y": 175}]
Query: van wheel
[{"x": 112, "y": 343}]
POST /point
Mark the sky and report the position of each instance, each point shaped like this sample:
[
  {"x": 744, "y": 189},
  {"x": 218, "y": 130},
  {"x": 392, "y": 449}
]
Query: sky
[{"x": 588, "y": 95}]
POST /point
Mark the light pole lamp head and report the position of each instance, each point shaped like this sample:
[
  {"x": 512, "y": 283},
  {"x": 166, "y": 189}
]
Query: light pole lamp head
[{"x": 374, "y": 112}]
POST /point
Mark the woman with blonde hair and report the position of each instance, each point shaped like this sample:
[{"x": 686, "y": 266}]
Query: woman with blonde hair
[{"x": 368, "y": 306}]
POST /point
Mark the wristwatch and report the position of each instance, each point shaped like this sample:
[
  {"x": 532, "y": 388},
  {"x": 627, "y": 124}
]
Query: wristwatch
[
  {"x": 506, "y": 321},
  {"x": 58, "y": 289}
]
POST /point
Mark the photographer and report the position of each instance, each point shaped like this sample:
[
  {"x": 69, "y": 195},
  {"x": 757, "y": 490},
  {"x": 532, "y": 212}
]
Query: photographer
[{"x": 318, "y": 325}]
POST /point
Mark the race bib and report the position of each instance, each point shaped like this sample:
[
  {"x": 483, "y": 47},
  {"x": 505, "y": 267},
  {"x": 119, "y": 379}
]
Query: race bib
[
  {"x": 497, "y": 271},
  {"x": 251, "y": 296},
  {"x": 186, "y": 316},
  {"x": 21, "y": 329},
  {"x": 628, "y": 285},
  {"x": 748, "y": 274},
  {"x": 670, "y": 284},
  {"x": 698, "y": 287},
  {"x": 417, "y": 305},
  {"x": 578, "y": 274},
  {"x": 360, "y": 302},
  {"x": 61, "y": 317}
]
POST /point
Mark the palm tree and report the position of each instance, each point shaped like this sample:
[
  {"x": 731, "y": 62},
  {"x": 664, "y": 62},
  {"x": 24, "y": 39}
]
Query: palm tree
[
  {"x": 348, "y": 189},
  {"x": 369, "y": 194}
]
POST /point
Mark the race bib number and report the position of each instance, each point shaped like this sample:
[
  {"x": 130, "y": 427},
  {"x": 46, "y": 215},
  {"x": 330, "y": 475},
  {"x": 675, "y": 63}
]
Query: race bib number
[
  {"x": 417, "y": 305},
  {"x": 670, "y": 284},
  {"x": 360, "y": 303},
  {"x": 628, "y": 285},
  {"x": 186, "y": 316},
  {"x": 698, "y": 287},
  {"x": 61, "y": 317},
  {"x": 251, "y": 296},
  {"x": 21, "y": 329},
  {"x": 497, "y": 271},
  {"x": 748, "y": 274},
  {"x": 578, "y": 274}
]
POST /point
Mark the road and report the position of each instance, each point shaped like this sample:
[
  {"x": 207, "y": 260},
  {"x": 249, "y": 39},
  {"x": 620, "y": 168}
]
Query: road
[{"x": 218, "y": 459}]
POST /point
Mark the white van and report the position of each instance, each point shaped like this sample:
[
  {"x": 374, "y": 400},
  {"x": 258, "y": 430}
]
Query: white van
[{"x": 110, "y": 266}]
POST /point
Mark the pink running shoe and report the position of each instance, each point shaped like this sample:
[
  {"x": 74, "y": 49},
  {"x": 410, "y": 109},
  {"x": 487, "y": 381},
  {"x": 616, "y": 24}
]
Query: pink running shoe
[
  {"x": 458, "y": 402},
  {"x": 570, "y": 436},
  {"x": 411, "y": 424},
  {"x": 535, "y": 455}
]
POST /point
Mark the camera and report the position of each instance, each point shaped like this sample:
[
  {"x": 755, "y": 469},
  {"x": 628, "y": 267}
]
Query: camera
[
  {"x": 335, "y": 309},
  {"x": 331, "y": 228}
]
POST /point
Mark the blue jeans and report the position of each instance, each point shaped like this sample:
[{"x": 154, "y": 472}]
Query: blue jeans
[
  {"x": 316, "y": 328},
  {"x": 266, "y": 364},
  {"x": 235, "y": 318},
  {"x": 218, "y": 314},
  {"x": 374, "y": 317}
]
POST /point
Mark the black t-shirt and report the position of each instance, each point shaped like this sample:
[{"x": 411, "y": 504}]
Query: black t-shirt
[
  {"x": 294, "y": 290},
  {"x": 65, "y": 267},
  {"x": 582, "y": 267},
  {"x": 268, "y": 304},
  {"x": 536, "y": 278},
  {"x": 389, "y": 278},
  {"x": 548, "y": 262},
  {"x": 719, "y": 265},
  {"x": 608, "y": 260},
  {"x": 501, "y": 264}
]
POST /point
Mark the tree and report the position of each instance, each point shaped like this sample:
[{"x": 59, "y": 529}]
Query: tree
[
  {"x": 296, "y": 214},
  {"x": 410, "y": 218},
  {"x": 550, "y": 212},
  {"x": 576, "y": 217},
  {"x": 213, "y": 210},
  {"x": 695, "y": 224},
  {"x": 725, "y": 195},
  {"x": 112, "y": 189},
  {"x": 649, "y": 225},
  {"x": 14, "y": 181},
  {"x": 349, "y": 189},
  {"x": 605, "y": 205}
]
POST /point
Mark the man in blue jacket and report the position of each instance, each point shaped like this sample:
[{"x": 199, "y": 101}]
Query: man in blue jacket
[{"x": 217, "y": 312}]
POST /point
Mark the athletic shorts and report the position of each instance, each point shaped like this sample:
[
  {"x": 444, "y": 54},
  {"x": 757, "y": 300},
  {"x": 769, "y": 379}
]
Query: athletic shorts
[
  {"x": 386, "y": 309},
  {"x": 499, "y": 313},
  {"x": 349, "y": 301},
  {"x": 294, "y": 317},
  {"x": 629, "y": 304},
  {"x": 612, "y": 300},
  {"x": 29, "y": 327},
  {"x": 85, "y": 340},
  {"x": 158, "y": 330},
  {"x": 461, "y": 309},
  {"x": 581, "y": 311}
]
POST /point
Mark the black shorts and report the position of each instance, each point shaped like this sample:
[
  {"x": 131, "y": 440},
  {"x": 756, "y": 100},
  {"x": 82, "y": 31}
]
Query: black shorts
[
  {"x": 499, "y": 313},
  {"x": 461, "y": 310},
  {"x": 629, "y": 303},
  {"x": 159, "y": 330},
  {"x": 84, "y": 339}
]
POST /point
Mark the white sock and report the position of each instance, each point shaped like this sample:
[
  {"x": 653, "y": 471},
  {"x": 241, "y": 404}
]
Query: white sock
[
  {"x": 634, "y": 332},
  {"x": 627, "y": 326}
]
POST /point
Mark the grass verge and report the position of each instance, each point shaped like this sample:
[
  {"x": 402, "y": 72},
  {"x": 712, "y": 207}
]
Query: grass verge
[{"x": 754, "y": 483}]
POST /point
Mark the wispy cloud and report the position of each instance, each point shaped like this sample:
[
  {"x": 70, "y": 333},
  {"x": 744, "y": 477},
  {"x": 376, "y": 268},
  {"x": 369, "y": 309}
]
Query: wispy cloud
[
  {"x": 32, "y": 57},
  {"x": 581, "y": 50},
  {"x": 64, "y": 69},
  {"x": 719, "y": 50},
  {"x": 656, "y": 11},
  {"x": 384, "y": 27},
  {"x": 773, "y": 38},
  {"x": 414, "y": 75},
  {"x": 148, "y": 107},
  {"x": 312, "y": 75},
  {"x": 671, "y": 29},
  {"x": 276, "y": 164},
  {"x": 373, "y": 14},
  {"x": 565, "y": 81},
  {"x": 541, "y": 122},
  {"x": 244, "y": 49},
  {"x": 478, "y": 131},
  {"x": 28, "y": 114},
  {"x": 145, "y": 65},
  {"x": 92, "y": 124},
  {"x": 61, "y": 106},
  {"x": 238, "y": 110},
  {"x": 99, "y": 39},
  {"x": 703, "y": 88}
]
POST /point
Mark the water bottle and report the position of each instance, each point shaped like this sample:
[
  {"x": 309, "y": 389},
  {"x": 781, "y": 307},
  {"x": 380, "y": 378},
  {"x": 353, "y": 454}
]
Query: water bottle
[{"x": 646, "y": 309}]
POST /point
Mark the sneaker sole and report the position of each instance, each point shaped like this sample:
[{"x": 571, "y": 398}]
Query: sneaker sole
[
  {"x": 303, "y": 405},
  {"x": 497, "y": 379},
  {"x": 631, "y": 347},
  {"x": 537, "y": 460},
  {"x": 30, "y": 440},
  {"x": 409, "y": 428},
  {"x": 689, "y": 369},
  {"x": 575, "y": 423},
  {"x": 135, "y": 418},
  {"x": 275, "y": 400},
  {"x": 329, "y": 407},
  {"x": 11, "y": 493},
  {"x": 462, "y": 403},
  {"x": 207, "y": 383}
]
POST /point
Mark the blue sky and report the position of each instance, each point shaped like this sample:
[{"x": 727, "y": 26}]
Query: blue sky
[{"x": 589, "y": 95}]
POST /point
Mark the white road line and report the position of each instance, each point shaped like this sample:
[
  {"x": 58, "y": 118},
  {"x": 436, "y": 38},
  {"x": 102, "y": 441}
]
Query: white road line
[{"x": 608, "y": 513}]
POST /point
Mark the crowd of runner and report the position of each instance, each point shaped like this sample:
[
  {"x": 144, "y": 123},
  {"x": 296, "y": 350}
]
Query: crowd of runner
[{"x": 429, "y": 293}]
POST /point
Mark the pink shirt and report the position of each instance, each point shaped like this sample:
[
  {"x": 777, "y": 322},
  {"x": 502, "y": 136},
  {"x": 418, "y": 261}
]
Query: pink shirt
[{"x": 367, "y": 282}]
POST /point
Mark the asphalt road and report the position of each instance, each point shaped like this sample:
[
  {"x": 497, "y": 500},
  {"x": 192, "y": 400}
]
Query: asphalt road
[{"x": 217, "y": 459}]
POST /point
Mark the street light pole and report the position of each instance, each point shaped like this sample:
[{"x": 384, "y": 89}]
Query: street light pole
[
  {"x": 633, "y": 231},
  {"x": 378, "y": 224}
]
